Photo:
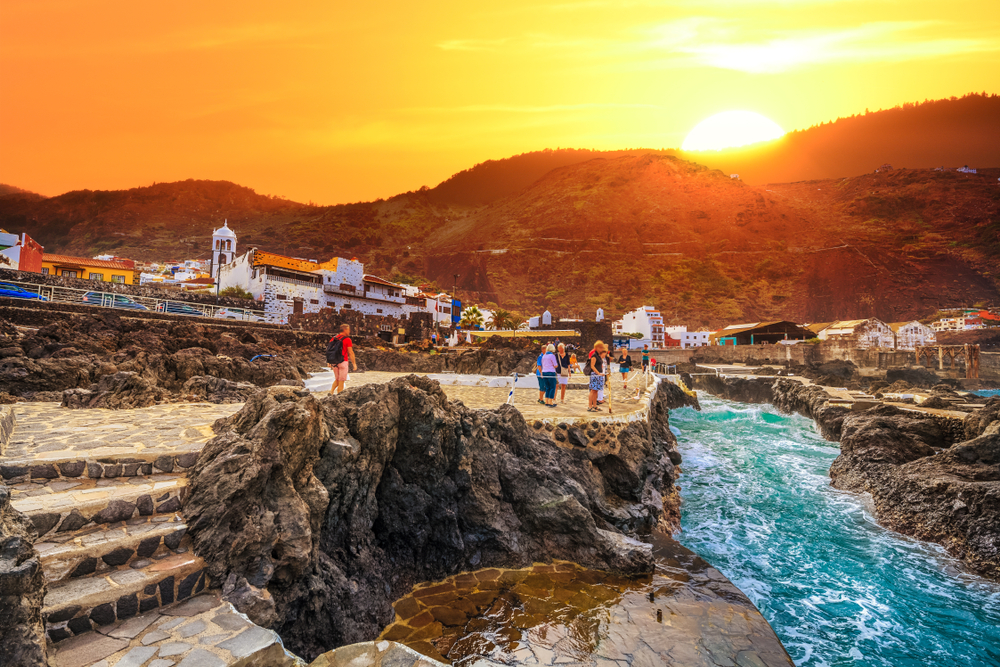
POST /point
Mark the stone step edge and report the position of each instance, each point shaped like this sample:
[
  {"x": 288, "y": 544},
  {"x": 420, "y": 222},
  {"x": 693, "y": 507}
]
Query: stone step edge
[
  {"x": 18, "y": 471},
  {"x": 70, "y": 560},
  {"x": 143, "y": 502},
  {"x": 87, "y": 612}
]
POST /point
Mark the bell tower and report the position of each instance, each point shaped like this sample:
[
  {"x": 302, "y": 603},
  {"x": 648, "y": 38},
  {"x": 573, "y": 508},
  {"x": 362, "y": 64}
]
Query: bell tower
[{"x": 223, "y": 248}]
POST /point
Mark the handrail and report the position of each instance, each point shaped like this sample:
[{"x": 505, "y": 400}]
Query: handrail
[{"x": 100, "y": 299}]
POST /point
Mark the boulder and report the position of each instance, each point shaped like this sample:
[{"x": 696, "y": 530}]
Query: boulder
[
  {"x": 917, "y": 376},
  {"x": 217, "y": 390},
  {"x": 121, "y": 391},
  {"x": 22, "y": 589},
  {"x": 319, "y": 513},
  {"x": 978, "y": 421}
]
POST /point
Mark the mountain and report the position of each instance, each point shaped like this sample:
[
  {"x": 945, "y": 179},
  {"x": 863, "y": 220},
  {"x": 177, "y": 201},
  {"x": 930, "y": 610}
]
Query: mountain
[
  {"x": 11, "y": 190},
  {"x": 953, "y": 133},
  {"x": 576, "y": 230}
]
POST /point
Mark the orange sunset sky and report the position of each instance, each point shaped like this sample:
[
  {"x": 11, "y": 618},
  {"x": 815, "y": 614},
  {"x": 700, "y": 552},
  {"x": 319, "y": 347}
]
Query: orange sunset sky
[{"x": 334, "y": 102}]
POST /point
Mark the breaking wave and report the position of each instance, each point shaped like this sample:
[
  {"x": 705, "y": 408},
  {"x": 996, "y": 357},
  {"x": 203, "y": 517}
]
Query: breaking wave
[{"x": 837, "y": 588}]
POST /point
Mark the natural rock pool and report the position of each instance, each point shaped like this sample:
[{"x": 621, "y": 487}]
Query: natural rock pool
[
  {"x": 837, "y": 588},
  {"x": 685, "y": 614}
]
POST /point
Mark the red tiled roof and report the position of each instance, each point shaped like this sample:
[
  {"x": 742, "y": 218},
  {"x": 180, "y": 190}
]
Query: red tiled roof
[
  {"x": 380, "y": 281},
  {"x": 125, "y": 265}
]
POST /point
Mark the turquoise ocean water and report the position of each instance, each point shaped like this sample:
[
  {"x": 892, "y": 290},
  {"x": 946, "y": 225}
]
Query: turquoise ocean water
[{"x": 837, "y": 588}]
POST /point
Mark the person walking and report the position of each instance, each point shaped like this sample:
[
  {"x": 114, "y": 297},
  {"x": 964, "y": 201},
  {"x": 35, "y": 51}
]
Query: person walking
[
  {"x": 625, "y": 365},
  {"x": 338, "y": 351},
  {"x": 598, "y": 359},
  {"x": 645, "y": 358},
  {"x": 550, "y": 373},
  {"x": 564, "y": 370}
]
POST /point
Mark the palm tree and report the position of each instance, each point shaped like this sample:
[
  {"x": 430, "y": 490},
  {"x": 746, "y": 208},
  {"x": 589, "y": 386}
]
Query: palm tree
[
  {"x": 502, "y": 320},
  {"x": 471, "y": 317}
]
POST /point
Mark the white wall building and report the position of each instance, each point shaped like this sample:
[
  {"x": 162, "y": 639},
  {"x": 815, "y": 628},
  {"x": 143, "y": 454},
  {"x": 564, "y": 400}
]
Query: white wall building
[
  {"x": 694, "y": 339},
  {"x": 868, "y": 333},
  {"x": 910, "y": 335},
  {"x": 646, "y": 321},
  {"x": 223, "y": 248}
]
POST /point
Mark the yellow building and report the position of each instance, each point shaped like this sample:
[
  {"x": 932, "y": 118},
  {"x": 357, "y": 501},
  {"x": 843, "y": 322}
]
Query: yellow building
[{"x": 99, "y": 270}]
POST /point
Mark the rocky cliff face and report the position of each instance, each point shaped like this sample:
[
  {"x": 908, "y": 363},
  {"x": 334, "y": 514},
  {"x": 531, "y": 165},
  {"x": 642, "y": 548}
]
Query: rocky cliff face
[
  {"x": 946, "y": 495},
  {"x": 501, "y": 361},
  {"x": 923, "y": 480},
  {"x": 22, "y": 588},
  {"x": 316, "y": 515}
]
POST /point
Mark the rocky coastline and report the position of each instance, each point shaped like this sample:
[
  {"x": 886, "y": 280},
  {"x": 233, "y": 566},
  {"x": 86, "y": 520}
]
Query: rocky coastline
[
  {"x": 316, "y": 515},
  {"x": 934, "y": 478}
]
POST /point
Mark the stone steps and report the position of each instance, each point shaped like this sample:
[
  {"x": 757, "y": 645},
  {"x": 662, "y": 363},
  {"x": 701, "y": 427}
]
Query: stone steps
[
  {"x": 133, "y": 543},
  {"x": 78, "y": 605},
  {"x": 39, "y": 467},
  {"x": 54, "y": 508},
  {"x": 202, "y": 631}
]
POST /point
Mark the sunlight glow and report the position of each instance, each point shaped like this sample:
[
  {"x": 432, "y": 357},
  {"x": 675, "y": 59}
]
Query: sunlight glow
[{"x": 729, "y": 129}]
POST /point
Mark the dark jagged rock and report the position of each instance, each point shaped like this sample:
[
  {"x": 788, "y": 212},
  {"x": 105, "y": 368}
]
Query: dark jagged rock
[
  {"x": 219, "y": 390},
  {"x": 951, "y": 497},
  {"x": 915, "y": 377},
  {"x": 318, "y": 514},
  {"x": 791, "y": 396},
  {"x": 482, "y": 361},
  {"x": 121, "y": 391},
  {"x": 81, "y": 349},
  {"x": 978, "y": 421},
  {"x": 22, "y": 589},
  {"x": 743, "y": 390}
]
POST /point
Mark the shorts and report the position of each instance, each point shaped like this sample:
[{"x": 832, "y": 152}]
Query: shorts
[
  {"x": 596, "y": 382},
  {"x": 339, "y": 372},
  {"x": 625, "y": 370},
  {"x": 563, "y": 379}
]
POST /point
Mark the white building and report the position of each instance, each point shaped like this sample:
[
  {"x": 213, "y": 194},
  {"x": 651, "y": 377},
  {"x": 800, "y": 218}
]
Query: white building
[
  {"x": 957, "y": 324},
  {"x": 289, "y": 285},
  {"x": 910, "y": 335},
  {"x": 645, "y": 321},
  {"x": 867, "y": 333},
  {"x": 694, "y": 339},
  {"x": 223, "y": 248}
]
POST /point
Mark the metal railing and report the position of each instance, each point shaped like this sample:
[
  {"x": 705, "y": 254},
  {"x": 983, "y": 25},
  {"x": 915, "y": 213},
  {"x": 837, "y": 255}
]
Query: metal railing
[{"x": 127, "y": 302}]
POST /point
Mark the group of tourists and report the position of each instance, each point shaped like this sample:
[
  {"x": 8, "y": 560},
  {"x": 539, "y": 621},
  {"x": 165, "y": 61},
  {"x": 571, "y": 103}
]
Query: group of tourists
[{"x": 555, "y": 365}]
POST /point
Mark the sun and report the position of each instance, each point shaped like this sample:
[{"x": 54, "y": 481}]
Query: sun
[{"x": 730, "y": 129}]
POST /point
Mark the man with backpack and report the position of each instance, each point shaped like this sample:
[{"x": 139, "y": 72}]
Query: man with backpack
[{"x": 338, "y": 351}]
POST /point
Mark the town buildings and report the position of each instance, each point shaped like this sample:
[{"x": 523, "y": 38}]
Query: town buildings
[
  {"x": 756, "y": 333},
  {"x": 960, "y": 323},
  {"x": 645, "y": 321},
  {"x": 111, "y": 271},
  {"x": 871, "y": 332},
  {"x": 910, "y": 335}
]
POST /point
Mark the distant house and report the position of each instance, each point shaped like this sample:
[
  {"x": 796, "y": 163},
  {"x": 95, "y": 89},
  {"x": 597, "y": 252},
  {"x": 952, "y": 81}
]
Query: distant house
[
  {"x": 910, "y": 335},
  {"x": 966, "y": 170},
  {"x": 23, "y": 254},
  {"x": 115, "y": 271},
  {"x": 735, "y": 177},
  {"x": 645, "y": 320},
  {"x": 756, "y": 333},
  {"x": 885, "y": 167},
  {"x": 964, "y": 323},
  {"x": 868, "y": 333}
]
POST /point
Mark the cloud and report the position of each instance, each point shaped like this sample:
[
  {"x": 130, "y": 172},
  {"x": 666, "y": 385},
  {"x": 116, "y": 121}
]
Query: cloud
[
  {"x": 553, "y": 108},
  {"x": 873, "y": 42},
  {"x": 472, "y": 44}
]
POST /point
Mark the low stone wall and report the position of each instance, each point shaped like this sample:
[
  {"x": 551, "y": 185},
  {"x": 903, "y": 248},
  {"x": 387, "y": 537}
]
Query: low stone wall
[
  {"x": 417, "y": 327},
  {"x": 7, "y": 422}
]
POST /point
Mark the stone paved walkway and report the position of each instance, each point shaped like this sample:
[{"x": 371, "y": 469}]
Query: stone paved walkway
[
  {"x": 48, "y": 432},
  {"x": 525, "y": 399}
]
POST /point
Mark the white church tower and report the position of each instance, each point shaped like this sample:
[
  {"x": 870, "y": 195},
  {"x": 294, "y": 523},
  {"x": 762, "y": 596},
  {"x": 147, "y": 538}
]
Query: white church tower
[{"x": 223, "y": 248}]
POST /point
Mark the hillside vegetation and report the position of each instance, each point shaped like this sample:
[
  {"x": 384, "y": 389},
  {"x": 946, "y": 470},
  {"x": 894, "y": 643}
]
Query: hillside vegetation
[{"x": 615, "y": 230}]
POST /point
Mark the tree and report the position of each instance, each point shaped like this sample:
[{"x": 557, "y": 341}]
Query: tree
[
  {"x": 236, "y": 292},
  {"x": 502, "y": 320},
  {"x": 471, "y": 317}
]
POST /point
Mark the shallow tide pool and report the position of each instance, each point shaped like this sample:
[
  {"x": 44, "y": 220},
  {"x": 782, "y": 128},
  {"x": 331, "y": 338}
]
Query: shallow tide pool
[{"x": 837, "y": 588}]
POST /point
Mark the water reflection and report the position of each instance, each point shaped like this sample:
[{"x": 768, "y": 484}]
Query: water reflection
[{"x": 685, "y": 613}]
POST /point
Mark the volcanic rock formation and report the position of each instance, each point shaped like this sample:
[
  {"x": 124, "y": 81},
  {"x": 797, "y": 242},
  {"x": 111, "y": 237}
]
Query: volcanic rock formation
[
  {"x": 22, "y": 588},
  {"x": 317, "y": 514}
]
